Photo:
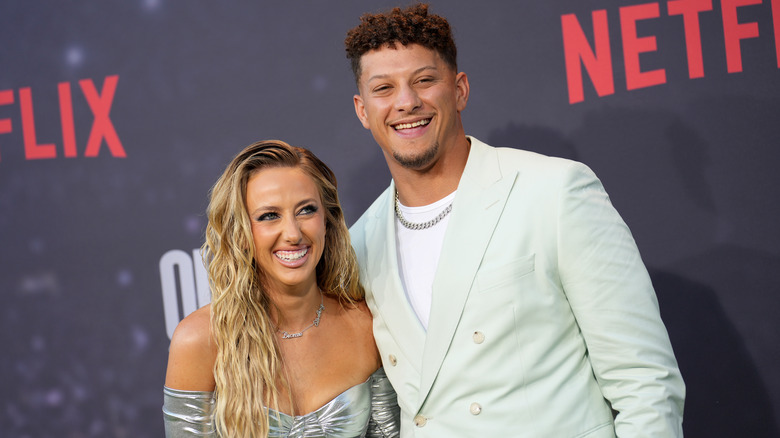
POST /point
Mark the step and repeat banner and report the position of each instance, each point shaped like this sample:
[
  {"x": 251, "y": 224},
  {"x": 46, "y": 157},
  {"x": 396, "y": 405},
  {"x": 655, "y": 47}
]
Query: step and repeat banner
[{"x": 116, "y": 117}]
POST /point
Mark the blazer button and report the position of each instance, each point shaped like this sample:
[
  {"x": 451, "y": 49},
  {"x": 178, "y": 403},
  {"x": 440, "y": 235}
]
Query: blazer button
[
  {"x": 478, "y": 337},
  {"x": 420, "y": 420},
  {"x": 392, "y": 359},
  {"x": 475, "y": 409}
]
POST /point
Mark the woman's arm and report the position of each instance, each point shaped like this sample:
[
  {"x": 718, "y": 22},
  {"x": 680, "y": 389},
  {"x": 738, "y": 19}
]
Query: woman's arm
[
  {"x": 192, "y": 354},
  {"x": 188, "y": 397},
  {"x": 385, "y": 421},
  {"x": 188, "y": 413}
]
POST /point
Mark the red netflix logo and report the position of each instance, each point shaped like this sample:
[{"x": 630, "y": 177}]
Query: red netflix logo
[
  {"x": 102, "y": 128},
  {"x": 597, "y": 60}
]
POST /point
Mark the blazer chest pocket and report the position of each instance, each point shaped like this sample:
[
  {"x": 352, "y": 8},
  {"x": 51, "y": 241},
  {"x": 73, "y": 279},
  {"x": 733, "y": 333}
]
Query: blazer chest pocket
[{"x": 494, "y": 278}]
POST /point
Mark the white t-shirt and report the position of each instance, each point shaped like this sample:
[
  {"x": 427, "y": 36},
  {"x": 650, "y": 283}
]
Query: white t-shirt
[{"x": 418, "y": 254}]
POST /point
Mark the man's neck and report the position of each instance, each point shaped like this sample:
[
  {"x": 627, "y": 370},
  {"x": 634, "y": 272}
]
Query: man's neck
[{"x": 423, "y": 187}]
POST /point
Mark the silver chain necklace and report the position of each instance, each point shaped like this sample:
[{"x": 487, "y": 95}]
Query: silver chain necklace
[
  {"x": 422, "y": 225},
  {"x": 316, "y": 322}
]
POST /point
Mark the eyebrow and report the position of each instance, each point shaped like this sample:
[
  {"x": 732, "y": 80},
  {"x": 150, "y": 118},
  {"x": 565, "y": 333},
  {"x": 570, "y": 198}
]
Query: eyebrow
[
  {"x": 262, "y": 209},
  {"x": 418, "y": 71},
  {"x": 267, "y": 208}
]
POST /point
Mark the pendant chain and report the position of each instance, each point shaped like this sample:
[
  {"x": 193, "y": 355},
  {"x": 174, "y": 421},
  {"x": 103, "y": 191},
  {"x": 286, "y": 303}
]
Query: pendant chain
[{"x": 316, "y": 323}]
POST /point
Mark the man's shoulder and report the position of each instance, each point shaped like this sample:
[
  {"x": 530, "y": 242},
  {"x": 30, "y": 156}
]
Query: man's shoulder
[
  {"x": 373, "y": 211},
  {"x": 357, "y": 229},
  {"x": 510, "y": 158}
]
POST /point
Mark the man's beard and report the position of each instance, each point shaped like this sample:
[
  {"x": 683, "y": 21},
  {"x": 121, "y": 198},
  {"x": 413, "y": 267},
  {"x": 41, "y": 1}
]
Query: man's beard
[{"x": 419, "y": 161}]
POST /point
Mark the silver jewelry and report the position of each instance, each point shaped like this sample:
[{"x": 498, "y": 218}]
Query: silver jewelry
[
  {"x": 422, "y": 225},
  {"x": 316, "y": 322}
]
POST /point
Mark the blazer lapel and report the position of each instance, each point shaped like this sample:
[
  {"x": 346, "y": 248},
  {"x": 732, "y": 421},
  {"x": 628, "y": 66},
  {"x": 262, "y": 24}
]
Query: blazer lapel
[
  {"x": 482, "y": 194},
  {"x": 385, "y": 283}
]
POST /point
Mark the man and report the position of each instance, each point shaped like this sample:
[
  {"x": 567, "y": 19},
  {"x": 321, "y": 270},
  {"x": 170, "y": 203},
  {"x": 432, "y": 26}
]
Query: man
[{"x": 509, "y": 298}]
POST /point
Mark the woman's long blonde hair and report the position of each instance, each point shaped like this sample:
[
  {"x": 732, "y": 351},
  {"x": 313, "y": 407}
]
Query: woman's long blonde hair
[{"x": 248, "y": 367}]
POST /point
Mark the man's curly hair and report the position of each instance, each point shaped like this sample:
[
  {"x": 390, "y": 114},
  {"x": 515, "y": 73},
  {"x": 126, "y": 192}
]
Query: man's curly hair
[{"x": 412, "y": 25}]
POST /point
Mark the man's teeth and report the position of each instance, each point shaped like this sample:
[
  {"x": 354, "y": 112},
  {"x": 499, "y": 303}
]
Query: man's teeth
[
  {"x": 412, "y": 125},
  {"x": 290, "y": 256}
]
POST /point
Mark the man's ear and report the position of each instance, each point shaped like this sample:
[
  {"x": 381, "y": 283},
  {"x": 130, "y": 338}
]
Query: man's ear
[
  {"x": 462, "y": 90},
  {"x": 360, "y": 110}
]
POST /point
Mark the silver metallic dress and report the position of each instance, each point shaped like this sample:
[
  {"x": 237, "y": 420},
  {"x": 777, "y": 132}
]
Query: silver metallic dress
[{"x": 369, "y": 409}]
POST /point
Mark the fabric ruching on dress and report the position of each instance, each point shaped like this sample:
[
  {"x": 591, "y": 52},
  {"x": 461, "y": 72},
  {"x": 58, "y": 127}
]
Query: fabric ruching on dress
[
  {"x": 385, "y": 421},
  {"x": 369, "y": 409}
]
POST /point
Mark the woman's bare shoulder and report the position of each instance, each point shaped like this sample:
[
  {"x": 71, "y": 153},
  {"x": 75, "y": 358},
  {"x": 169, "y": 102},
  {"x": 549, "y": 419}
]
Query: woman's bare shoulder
[
  {"x": 194, "y": 330},
  {"x": 358, "y": 312},
  {"x": 361, "y": 322},
  {"x": 192, "y": 353}
]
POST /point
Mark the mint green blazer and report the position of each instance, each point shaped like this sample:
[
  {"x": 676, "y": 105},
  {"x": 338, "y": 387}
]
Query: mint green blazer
[{"x": 544, "y": 322}]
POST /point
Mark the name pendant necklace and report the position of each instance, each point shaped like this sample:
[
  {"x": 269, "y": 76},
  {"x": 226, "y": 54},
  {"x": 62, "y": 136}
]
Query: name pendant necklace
[{"x": 316, "y": 323}]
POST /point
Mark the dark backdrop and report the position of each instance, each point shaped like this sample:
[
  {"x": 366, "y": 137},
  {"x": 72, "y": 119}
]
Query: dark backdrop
[{"x": 117, "y": 116}]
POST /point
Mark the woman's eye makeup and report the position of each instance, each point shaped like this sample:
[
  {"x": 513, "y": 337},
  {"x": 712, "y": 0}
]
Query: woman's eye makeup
[
  {"x": 267, "y": 216},
  {"x": 308, "y": 209}
]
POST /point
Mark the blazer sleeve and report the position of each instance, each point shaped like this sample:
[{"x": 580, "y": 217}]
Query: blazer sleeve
[{"x": 615, "y": 306}]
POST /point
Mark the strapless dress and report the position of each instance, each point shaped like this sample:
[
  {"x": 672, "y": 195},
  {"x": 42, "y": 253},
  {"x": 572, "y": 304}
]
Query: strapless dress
[{"x": 369, "y": 409}]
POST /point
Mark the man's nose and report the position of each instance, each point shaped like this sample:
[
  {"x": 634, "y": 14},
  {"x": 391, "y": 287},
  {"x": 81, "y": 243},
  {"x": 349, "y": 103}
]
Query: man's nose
[{"x": 407, "y": 99}]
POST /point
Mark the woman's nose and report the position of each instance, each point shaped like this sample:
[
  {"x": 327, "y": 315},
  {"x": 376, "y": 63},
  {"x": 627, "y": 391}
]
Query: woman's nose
[{"x": 292, "y": 231}]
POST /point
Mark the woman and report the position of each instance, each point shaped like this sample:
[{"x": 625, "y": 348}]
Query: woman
[{"x": 285, "y": 348}]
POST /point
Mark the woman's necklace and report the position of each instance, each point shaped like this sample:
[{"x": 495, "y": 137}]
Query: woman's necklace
[{"x": 316, "y": 322}]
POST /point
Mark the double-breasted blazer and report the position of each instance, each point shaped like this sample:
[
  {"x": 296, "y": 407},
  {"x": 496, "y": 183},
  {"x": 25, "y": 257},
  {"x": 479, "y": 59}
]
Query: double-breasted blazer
[{"x": 544, "y": 322}]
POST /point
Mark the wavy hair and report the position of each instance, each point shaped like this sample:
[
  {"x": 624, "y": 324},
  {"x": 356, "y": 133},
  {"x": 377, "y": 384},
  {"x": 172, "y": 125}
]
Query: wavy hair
[
  {"x": 413, "y": 25},
  {"x": 249, "y": 367}
]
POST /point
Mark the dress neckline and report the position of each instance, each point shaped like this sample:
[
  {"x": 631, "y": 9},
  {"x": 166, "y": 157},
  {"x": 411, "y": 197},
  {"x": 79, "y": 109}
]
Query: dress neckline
[{"x": 341, "y": 394}]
